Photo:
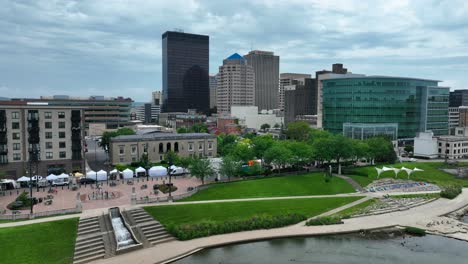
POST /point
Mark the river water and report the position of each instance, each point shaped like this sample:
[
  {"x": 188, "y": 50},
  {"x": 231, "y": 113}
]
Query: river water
[{"x": 342, "y": 249}]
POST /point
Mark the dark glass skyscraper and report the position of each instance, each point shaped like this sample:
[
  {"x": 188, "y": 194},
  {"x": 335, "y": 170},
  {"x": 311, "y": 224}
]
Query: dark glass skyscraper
[{"x": 185, "y": 72}]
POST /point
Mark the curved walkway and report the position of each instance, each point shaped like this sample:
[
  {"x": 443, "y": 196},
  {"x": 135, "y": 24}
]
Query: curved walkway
[{"x": 417, "y": 216}]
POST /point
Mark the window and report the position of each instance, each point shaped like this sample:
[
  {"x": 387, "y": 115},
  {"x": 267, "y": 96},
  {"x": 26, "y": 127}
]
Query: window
[
  {"x": 61, "y": 124},
  {"x": 121, "y": 150},
  {"x": 61, "y": 114},
  {"x": 210, "y": 145},
  {"x": 48, "y": 145},
  {"x": 48, "y": 125},
  {"x": 48, "y": 115},
  {"x": 161, "y": 148},
  {"x": 15, "y": 125},
  {"x": 16, "y": 156},
  {"x": 160, "y": 157},
  {"x": 49, "y": 155},
  {"x": 134, "y": 150},
  {"x": 14, "y": 115},
  {"x": 200, "y": 145},
  {"x": 121, "y": 159},
  {"x": 190, "y": 146},
  {"x": 62, "y": 154},
  {"x": 16, "y": 135},
  {"x": 48, "y": 135},
  {"x": 61, "y": 134},
  {"x": 16, "y": 146},
  {"x": 62, "y": 145}
]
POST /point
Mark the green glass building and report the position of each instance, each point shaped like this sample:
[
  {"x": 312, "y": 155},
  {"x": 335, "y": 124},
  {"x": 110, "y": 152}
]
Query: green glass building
[{"x": 400, "y": 106}]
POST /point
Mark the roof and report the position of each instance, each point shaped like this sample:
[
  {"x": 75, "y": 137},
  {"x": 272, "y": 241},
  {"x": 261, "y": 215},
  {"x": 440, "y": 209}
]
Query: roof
[
  {"x": 161, "y": 136},
  {"x": 381, "y": 77},
  {"x": 235, "y": 56}
]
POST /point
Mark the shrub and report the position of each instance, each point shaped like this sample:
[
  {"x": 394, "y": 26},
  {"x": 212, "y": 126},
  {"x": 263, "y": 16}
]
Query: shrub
[
  {"x": 324, "y": 220},
  {"x": 415, "y": 231},
  {"x": 451, "y": 192},
  {"x": 165, "y": 189},
  {"x": 209, "y": 228}
]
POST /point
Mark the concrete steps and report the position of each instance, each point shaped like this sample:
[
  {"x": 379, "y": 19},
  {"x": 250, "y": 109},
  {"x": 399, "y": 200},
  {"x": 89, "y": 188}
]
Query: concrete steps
[
  {"x": 152, "y": 231},
  {"x": 89, "y": 243}
]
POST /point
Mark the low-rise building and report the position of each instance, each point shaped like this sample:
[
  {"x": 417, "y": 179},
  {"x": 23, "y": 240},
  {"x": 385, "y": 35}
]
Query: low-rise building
[
  {"x": 249, "y": 117},
  {"x": 228, "y": 125},
  {"x": 128, "y": 149},
  {"x": 446, "y": 147},
  {"x": 179, "y": 119}
]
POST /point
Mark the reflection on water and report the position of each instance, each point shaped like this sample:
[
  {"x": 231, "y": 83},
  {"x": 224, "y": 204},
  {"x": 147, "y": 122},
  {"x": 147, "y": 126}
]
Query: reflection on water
[{"x": 338, "y": 250}]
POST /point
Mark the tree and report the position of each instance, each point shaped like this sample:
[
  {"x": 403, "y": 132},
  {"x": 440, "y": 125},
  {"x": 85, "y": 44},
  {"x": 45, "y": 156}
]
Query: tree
[
  {"x": 106, "y": 136},
  {"x": 144, "y": 162},
  {"x": 198, "y": 128},
  {"x": 298, "y": 130},
  {"x": 172, "y": 157},
  {"x": 226, "y": 143},
  {"x": 381, "y": 149},
  {"x": 316, "y": 134},
  {"x": 323, "y": 150},
  {"x": 182, "y": 130},
  {"x": 278, "y": 155},
  {"x": 341, "y": 149},
  {"x": 184, "y": 162},
  {"x": 242, "y": 152},
  {"x": 409, "y": 148},
  {"x": 360, "y": 149},
  {"x": 277, "y": 125},
  {"x": 260, "y": 144},
  {"x": 201, "y": 168},
  {"x": 229, "y": 167},
  {"x": 301, "y": 154},
  {"x": 264, "y": 127}
]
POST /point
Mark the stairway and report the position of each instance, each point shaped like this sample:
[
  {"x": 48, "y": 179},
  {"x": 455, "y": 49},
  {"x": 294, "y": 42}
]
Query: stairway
[
  {"x": 152, "y": 230},
  {"x": 89, "y": 244}
]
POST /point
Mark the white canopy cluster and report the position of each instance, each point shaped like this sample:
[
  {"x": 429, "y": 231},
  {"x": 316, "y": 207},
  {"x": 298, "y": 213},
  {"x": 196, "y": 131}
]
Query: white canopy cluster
[{"x": 396, "y": 170}]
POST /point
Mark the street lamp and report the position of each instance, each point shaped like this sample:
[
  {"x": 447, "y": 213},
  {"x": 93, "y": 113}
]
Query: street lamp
[{"x": 169, "y": 163}]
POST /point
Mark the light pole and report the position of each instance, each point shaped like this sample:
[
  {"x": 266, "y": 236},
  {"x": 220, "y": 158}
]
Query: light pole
[
  {"x": 169, "y": 172},
  {"x": 95, "y": 160}
]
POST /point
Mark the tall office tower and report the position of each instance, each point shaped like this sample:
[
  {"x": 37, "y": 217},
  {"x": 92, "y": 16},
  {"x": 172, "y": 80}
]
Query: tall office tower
[
  {"x": 236, "y": 84},
  {"x": 266, "y": 69},
  {"x": 299, "y": 99},
  {"x": 156, "y": 98},
  {"x": 185, "y": 59},
  {"x": 213, "y": 86},
  {"x": 288, "y": 79},
  {"x": 458, "y": 98},
  {"x": 337, "y": 72}
]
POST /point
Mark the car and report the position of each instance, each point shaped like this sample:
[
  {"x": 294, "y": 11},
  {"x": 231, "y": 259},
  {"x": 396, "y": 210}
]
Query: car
[
  {"x": 87, "y": 180},
  {"x": 59, "y": 183}
]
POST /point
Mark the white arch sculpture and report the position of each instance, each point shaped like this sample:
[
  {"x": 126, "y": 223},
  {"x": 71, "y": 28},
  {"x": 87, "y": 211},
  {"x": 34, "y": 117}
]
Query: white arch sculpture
[
  {"x": 396, "y": 170},
  {"x": 379, "y": 171}
]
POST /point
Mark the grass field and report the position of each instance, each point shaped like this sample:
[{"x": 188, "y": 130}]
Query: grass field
[
  {"x": 225, "y": 211},
  {"x": 431, "y": 174},
  {"x": 50, "y": 242},
  {"x": 293, "y": 185}
]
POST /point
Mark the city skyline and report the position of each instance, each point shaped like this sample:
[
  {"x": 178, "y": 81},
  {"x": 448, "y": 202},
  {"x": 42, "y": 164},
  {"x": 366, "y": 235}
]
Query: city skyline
[{"x": 87, "y": 48}]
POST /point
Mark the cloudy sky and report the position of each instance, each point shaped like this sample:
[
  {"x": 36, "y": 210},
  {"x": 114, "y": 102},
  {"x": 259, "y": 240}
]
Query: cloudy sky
[{"x": 113, "y": 48}]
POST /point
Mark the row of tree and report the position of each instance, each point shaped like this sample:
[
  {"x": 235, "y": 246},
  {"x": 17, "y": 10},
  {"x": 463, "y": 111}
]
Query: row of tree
[{"x": 305, "y": 146}]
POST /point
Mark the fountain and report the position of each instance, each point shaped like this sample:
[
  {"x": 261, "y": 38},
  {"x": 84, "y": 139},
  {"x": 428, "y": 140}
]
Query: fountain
[{"x": 123, "y": 234}]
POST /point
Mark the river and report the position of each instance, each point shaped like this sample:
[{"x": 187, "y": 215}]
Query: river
[{"x": 340, "y": 249}]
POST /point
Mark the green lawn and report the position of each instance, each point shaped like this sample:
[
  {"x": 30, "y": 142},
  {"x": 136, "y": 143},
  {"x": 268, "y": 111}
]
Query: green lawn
[
  {"x": 361, "y": 180},
  {"x": 431, "y": 173},
  {"x": 293, "y": 185},
  {"x": 49, "y": 242},
  {"x": 225, "y": 211},
  {"x": 355, "y": 209}
]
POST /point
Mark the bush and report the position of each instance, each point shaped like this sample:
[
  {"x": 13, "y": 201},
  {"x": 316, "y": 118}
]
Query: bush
[
  {"x": 451, "y": 192},
  {"x": 209, "y": 228},
  {"x": 165, "y": 189},
  {"x": 415, "y": 231},
  {"x": 324, "y": 220}
]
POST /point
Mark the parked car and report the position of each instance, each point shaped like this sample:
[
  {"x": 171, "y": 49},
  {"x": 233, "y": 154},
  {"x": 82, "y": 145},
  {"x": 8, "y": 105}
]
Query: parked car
[
  {"x": 177, "y": 171},
  {"x": 59, "y": 183},
  {"x": 87, "y": 180}
]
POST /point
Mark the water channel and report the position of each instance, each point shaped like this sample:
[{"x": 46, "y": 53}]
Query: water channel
[{"x": 360, "y": 249}]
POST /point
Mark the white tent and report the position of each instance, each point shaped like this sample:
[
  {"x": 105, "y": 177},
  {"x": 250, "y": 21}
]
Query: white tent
[
  {"x": 63, "y": 176},
  {"x": 51, "y": 177},
  {"x": 114, "y": 171},
  {"x": 23, "y": 179},
  {"x": 157, "y": 171},
  {"x": 101, "y": 175},
  {"x": 8, "y": 181},
  {"x": 127, "y": 174},
  {"x": 140, "y": 170},
  {"x": 91, "y": 175}
]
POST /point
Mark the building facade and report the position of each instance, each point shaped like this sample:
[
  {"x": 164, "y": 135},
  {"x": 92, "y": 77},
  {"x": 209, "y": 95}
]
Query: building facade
[
  {"x": 300, "y": 99},
  {"x": 185, "y": 66},
  {"x": 148, "y": 113},
  {"x": 416, "y": 105},
  {"x": 288, "y": 79},
  {"x": 179, "y": 120},
  {"x": 128, "y": 149},
  {"x": 249, "y": 117},
  {"x": 266, "y": 69},
  {"x": 458, "y": 98},
  {"x": 49, "y": 136},
  {"x": 236, "y": 84},
  {"x": 213, "y": 91},
  {"x": 156, "y": 98},
  {"x": 454, "y": 117}
]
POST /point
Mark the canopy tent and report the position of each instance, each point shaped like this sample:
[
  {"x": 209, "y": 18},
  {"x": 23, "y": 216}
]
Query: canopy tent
[
  {"x": 36, "y": 178},
  {"x": 78, "y": 174},
  {"x": 51, "y": 177},
  {"x": 91, "y": 174},
  {"x": 114, "y": 171},
  {"x": 157, "y": 171},
  {"x": 63, "y": 176},
  {"x": 173, "y": 167},
  {"x": 101, "y": 175},
  {"x": 9, "y": 184},
  {"x": 127, "y": 174},
  {"x": 140, "y": 171},
  {"x": 23, "y": 179}
]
